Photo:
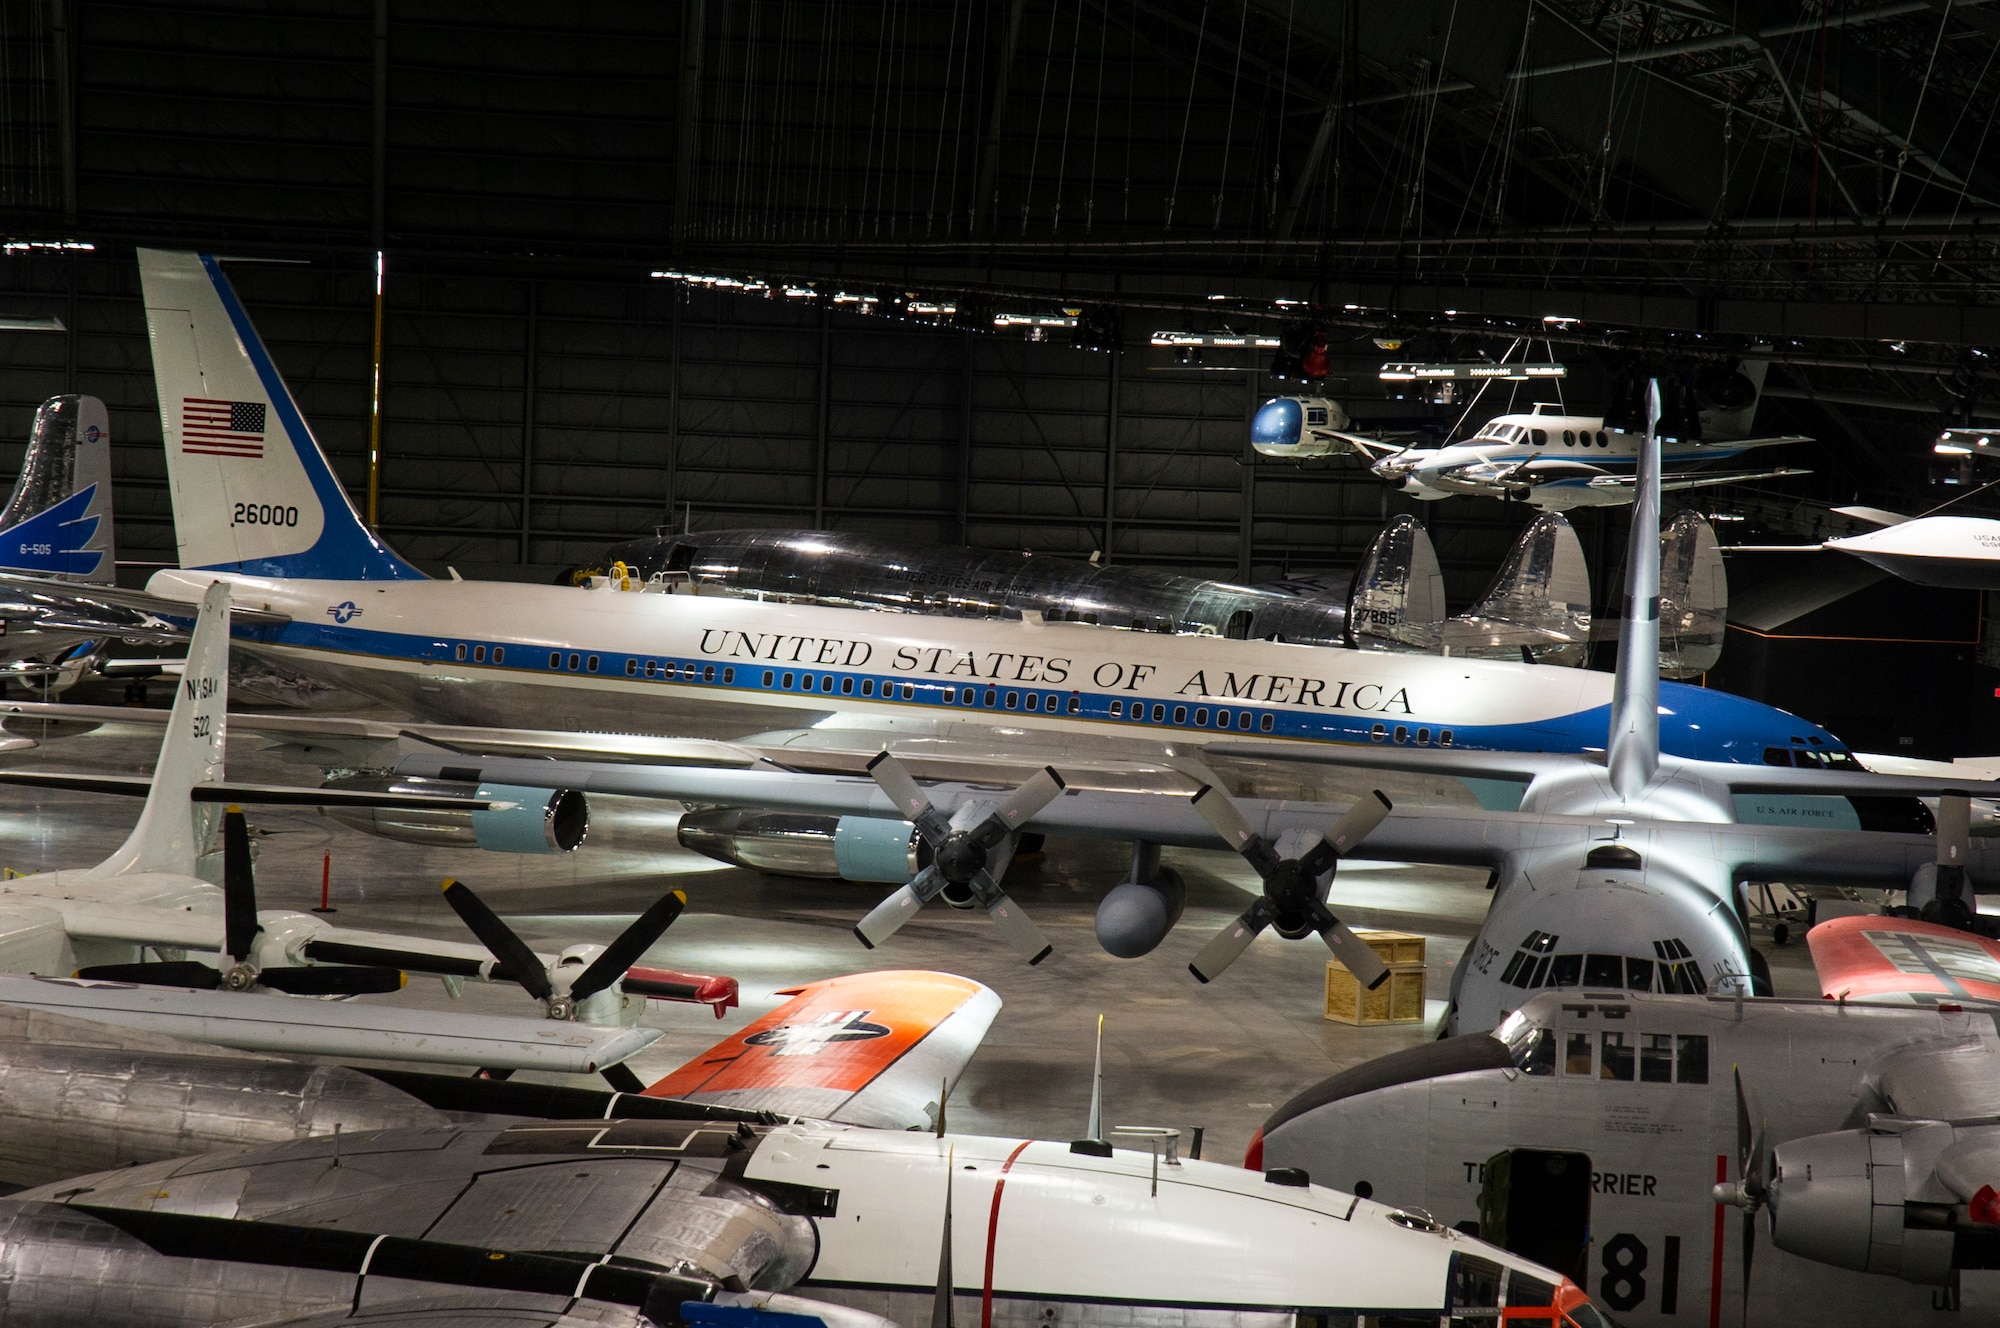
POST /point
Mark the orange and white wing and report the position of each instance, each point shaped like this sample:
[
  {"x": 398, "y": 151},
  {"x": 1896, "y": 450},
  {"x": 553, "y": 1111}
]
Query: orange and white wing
[
  {"x": 870, "y": 1049},
  {"x": 1872, "y": 958}
]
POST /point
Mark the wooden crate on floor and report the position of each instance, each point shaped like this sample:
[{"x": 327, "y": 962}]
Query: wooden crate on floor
[{"x": 1399, "y": 1000}]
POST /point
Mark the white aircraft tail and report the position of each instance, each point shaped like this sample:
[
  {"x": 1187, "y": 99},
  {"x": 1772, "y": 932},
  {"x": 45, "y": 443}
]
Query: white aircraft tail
[
  {"x": 1539, "y": 601},
  {"x": 1398, "y": 594},
  {"x": 1694, "y": 598},
  {"x": 252, "y": 492},
  {"x": 171, "y": 833},
  {"x": 1632, "y": 754},
  {"x": 57, "y": 522},
  {"x": 1727, "y": 397}
]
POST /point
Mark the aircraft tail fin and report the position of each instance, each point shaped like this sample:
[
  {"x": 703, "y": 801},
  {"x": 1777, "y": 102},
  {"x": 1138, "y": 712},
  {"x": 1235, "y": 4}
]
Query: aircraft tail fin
[
  {"x": 252, "y": 491},
  {"x": 1694, "y": 598},
  {"x": 57, "y": 522},
  {"x": 1727, "y": 396},
  {"x": 1398, "y": 594},
  {"x": 1632, "y": 754},
  {"x": 1539, "y": 602},
  {"x": 171, "y": 831}
]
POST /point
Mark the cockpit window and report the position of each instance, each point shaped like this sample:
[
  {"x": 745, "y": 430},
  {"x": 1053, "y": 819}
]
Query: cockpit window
[
  {"x": 1576, "y": 1054},
  {"x": 1475, "y": 1285},
  {"x": 1618, "y": 1061},
  {"x": 1656, "y": 1058},
  {"x": 1777, "y": 756},
  {"x": 1603, "y": 970},
  {"x": 1691, "y": 1065},
  {"x": 1536, "y": 1052}
]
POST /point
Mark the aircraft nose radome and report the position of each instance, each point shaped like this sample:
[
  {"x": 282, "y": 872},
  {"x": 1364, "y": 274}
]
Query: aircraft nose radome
[{"x": 1278, "y": 423}]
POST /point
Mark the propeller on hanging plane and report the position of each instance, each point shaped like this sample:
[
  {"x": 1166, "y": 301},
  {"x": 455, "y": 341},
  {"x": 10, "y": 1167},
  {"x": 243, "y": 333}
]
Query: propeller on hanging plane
[
  {"x": 960, "y": 857},
  {"x": 1293, "y": 899}
]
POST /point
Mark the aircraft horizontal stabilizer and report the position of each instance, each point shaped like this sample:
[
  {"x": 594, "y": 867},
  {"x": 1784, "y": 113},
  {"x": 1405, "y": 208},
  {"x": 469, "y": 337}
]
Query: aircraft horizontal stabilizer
[
  {"x": 870, "y": 1049},
  {"x": 84, "y": 595},
  {"x": 281, "y": 1025},
  {"x": 282, "y": 795}
]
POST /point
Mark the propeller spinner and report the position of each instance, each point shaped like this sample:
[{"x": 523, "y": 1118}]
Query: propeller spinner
[
  {"x": 1293, "y": 899},
  {"x": 960, "y": 857}
]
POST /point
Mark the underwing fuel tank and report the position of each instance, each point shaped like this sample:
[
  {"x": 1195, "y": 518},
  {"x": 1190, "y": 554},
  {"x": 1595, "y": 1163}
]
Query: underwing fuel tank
[
  {"x": 520, "y": 820},
  {"x": 848, "y": 848}
]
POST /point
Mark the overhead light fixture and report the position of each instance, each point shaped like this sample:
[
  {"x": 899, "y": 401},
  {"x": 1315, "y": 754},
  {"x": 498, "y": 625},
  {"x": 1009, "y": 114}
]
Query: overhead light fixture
[
  {"x": 1970, "y": 440},
  {"x": 1225, "y": 340},
  {"x": 49, "y": 323},
  {"x": 1036, "y": 320},
  {"x": 47, "y": 246},
  {"x": 1474, "y": 371}
]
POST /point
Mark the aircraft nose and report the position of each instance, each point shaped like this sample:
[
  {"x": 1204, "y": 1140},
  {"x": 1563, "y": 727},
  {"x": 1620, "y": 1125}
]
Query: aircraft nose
[{"x": 1278, "y": 423}]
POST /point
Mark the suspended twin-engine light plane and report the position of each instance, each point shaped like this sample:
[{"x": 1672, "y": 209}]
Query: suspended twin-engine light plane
[{"x": 1546, "y": 457}]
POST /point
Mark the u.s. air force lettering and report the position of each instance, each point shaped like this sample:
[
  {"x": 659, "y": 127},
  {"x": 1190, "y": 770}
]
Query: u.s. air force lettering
[{"x": 952, "y": 664}]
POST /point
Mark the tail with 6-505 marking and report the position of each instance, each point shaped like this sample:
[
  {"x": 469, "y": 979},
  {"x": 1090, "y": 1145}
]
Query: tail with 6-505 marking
[{"x": 252, "y": 492}]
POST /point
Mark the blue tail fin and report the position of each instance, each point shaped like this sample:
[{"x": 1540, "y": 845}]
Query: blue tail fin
[
  {"x": 252, "y": 492},
  {"x": 57, "y": 522}
]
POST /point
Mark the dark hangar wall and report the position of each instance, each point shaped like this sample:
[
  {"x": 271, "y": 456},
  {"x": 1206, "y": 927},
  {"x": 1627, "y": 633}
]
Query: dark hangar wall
[{"x": 542, "y": 395}]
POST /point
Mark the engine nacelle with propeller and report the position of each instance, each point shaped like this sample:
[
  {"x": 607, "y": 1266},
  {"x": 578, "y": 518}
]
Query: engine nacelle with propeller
[
  {"x": 512, "y": 820},
  {"x": 1910, "y": 1199}
]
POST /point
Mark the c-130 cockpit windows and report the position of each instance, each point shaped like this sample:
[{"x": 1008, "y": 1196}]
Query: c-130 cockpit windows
[{"x": 1670, "y": 969}]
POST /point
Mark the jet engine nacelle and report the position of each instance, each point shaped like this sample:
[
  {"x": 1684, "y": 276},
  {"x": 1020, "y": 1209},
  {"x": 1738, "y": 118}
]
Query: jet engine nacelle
[
  {"x": 1875, "y": 1201},
  {"x": 847, "y": 848},
  {"x": 1136, "y": 915},
  {"x": 522, "y": 820}
]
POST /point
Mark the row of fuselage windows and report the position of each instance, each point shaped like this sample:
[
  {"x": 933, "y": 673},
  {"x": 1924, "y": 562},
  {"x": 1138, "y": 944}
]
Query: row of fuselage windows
[
  {"x": 1071, "y": 703},
  {"x": 1671, "y": 974},
  {"x": 1646, "y": 1058}
]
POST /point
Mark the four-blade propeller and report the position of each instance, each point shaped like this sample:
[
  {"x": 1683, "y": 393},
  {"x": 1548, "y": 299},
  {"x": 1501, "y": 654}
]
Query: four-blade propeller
[
  {"x": 561, "y": 987},
  {"x": 1752, "y": 1188},
  {"x": 239, "y": 940},
  {"x": 1293, "y": 899},
  {"x": 961, "y": 856}
]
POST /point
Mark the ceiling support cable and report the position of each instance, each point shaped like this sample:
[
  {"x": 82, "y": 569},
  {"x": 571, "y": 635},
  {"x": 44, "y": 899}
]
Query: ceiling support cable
[
  {"x": 984, "y": 203},
  {"x": 1187, "y": 117},
  {"x": 1229, "y": 124}
]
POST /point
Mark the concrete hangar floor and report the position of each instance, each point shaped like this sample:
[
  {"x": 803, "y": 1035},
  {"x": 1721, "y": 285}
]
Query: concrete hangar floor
[{"x": 1176, "y": 1053}]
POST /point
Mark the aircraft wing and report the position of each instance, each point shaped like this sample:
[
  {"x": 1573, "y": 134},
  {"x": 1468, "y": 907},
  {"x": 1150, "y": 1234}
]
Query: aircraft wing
[
  {"x": 1903, "y": 960},
  {"x": 287, "y": 1026},
  {"x": 1374, "y": 448},
  {"x": 90, "y": 602},
  {"x": 872, "y": 1049},
  {"x": 1698, "y": 479}
]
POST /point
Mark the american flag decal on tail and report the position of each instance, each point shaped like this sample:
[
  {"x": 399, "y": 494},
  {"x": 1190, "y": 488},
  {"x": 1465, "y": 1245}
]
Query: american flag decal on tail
[{"x": 222, "y": 428}]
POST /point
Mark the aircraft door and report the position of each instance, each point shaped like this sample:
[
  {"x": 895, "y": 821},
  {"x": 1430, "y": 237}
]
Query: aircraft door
[{"x": 1535, "y": 1202}]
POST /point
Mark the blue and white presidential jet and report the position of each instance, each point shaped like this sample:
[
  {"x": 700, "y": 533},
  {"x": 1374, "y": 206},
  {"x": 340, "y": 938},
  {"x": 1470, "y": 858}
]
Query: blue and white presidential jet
[{"x": 256, "y": 503}]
